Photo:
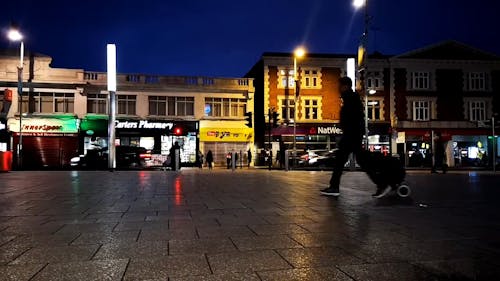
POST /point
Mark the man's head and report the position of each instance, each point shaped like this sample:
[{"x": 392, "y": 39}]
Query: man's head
[{"x": 345, "y": 84}]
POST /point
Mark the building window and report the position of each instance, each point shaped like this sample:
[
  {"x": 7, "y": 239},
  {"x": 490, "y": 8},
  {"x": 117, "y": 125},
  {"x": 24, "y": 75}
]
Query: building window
[
  {"x": 374, "y": 110},
  {"x": 54, "y": 102},
  {"x": 477, "y": 81},
  {"x": 126, "y": 104},
  {"x": 311, "y": 109},
  {"x": 171, "y": 106},
  {"x": 421, "y": 110},
  {"x": 374, "y": 80},
  {"x": 286, "y": 78},
  {"x": 225, "y": 107},
  {"x": 477, "y": 111},
  {"x": 310, "y": 78},
  {"x": 287, "y": 109},
  {"x": 184, "y": 106},
  {"x": 420, "y": 80},
  {"x": 97, "y": 103},
  {"x": 157, "y": 105}
]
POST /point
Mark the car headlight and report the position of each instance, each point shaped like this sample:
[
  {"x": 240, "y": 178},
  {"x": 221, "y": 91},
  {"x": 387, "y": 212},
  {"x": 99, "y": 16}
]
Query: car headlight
[{"x": 75, "y": 160}]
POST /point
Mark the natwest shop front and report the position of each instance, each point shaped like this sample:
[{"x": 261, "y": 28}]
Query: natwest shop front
[
  {"x": 47, "y": 142},
  {"x": 308, "y": 136}
]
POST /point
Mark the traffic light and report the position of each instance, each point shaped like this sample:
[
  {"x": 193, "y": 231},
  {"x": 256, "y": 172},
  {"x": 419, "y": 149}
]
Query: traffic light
[
  {"x": 178, "y": 130},
  {"x": 248, "y": 119},
  {"x": 275, "y": 119}
]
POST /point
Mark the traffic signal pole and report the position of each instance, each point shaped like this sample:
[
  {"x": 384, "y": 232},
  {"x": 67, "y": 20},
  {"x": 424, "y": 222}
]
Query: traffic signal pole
[
  {"x": 270, "y": 156},
  {"x": 494, "y": 144}
]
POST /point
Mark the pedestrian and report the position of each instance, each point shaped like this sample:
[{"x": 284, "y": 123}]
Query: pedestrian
[
  {"x": 352, "y": 125},
  {"x": 439, "y": 154},
  {"x": 200, "y": 159},
  {"x": 249, "y": 157},
  {"x": 210, "y": 159},
  {"x": 174, "y": 161},
  {"x": 236, "y": 159},
  {"x": 228, "y": 160}
]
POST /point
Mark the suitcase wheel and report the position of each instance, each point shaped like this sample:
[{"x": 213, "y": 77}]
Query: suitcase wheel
[{"x": 403, "y": 190}]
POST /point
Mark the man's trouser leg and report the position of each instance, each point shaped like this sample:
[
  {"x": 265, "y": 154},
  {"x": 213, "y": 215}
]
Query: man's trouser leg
[{"x": 338, "y": 166}]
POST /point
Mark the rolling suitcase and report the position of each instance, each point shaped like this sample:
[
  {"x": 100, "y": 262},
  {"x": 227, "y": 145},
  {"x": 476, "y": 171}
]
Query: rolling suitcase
[{"x": 385, "y": 170}]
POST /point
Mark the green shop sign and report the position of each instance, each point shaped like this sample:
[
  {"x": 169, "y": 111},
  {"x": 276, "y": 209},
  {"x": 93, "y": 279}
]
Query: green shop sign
[{"x": 94, "y": 125}]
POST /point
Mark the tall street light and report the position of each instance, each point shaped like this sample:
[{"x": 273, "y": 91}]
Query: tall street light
[
  {"x": 111, "y": 73},
  {"x": 15, "y": 35},
  {"x": 362, "y": 60},
  {"x": 299, "y": 52}
]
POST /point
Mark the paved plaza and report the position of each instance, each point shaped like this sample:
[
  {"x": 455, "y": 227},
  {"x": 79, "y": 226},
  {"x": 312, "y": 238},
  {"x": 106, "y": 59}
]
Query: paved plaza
[{"x": 245, "y": 225}]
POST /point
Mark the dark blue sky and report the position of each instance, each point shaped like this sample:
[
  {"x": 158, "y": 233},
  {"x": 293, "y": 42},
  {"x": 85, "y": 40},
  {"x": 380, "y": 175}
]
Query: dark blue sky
[{"x": 226, "y": 37}]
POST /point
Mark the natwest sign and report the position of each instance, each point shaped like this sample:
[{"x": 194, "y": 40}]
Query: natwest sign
[
  {"x": 143, "y": 124},
  {"x": 44, "y": 125},
  {"x": 325, "y": 130}
]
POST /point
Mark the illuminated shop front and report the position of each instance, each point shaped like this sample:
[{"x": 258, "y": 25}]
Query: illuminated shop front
[
  {"x": 4, "y": 136},
  {"x": 159, "y": 136},
  {"x": 222, "y": 137},
  {"x": 463, "y": 147},
  {"x": 48, "y": 142}
]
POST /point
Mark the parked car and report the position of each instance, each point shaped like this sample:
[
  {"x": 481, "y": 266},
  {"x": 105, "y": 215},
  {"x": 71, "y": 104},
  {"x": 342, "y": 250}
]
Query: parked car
[
  {"x": 126, "y": 157},
  {"x": 318, "y": 158}
]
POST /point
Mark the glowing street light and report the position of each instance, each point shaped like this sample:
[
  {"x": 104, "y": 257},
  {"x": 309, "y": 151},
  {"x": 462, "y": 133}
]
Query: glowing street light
[
  {"x": 358, "y": 3},
  {"x": 299, "y": 53},
  {"x": 15, "y": 35}
]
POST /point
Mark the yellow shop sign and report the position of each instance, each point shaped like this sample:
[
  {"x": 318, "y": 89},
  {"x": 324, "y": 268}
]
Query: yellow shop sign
[{"x": 226, "y": 134}]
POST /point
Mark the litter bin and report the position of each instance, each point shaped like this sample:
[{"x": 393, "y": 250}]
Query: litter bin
[{"x": 5, "y": 161}]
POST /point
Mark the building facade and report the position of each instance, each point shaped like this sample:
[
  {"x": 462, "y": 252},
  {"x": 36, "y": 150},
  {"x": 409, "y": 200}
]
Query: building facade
[
  {"x": 65, "y": 113},
  {"x": 318, "y": 103},
  {"x": 448, "y": 89}
]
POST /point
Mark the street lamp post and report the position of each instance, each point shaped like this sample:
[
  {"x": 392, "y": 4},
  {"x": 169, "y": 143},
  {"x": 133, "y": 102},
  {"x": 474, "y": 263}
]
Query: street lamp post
[
  {"x": 111, "y": 73},
  {"x": 15, "y": 35},
  {"x": 297, "y": 54},
  {"x": 362, "y": 61}
]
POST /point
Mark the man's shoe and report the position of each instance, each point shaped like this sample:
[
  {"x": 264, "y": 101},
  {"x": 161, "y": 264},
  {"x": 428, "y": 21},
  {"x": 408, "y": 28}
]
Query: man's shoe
[
  {"x": 330, "y": 191},
  {"x": 381, "y": 192}
]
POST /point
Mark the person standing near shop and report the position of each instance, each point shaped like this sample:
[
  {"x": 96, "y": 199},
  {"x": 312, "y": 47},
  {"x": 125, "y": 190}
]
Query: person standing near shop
[
  {"x": 210, "y": 159},
  {"x": 200, "y": 159},
  {"x": 352, "y": 125},
  {"x": 439, "y": 155},
  {"x": 249, "y": 157},
  {"x": 175, "y": 160},
  {"x": 228, "y": 159}
]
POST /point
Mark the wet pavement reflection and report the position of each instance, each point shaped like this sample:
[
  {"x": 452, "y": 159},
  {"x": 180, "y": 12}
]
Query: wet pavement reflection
[{"x": 245, "y": 225}]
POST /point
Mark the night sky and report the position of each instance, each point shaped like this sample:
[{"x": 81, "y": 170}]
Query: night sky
[{"x": 225, "y": 38}]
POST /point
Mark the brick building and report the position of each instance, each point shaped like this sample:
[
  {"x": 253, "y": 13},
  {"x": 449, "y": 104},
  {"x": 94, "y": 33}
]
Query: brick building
[
  {"x": 448, "y": 89},
  {"x": 318, "y": 105}
]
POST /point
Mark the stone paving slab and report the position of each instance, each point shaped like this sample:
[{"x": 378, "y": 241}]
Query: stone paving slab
[
  {"x": 19, "y": 272},
  {"x": 85, "y": 270},
  {"x": 319, "y": 273},
  {"x": 245, "y": 225}
]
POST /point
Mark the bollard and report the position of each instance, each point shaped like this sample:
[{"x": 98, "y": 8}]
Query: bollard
[
  {"x": 177, "y": 159},
  {"x": 233, "y": 160},
  {"x": 287, "y": 160}
]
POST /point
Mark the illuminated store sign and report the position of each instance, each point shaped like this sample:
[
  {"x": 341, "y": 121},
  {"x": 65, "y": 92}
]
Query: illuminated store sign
[
  {"x": 226, "y": 134},
  {"x": 143, "y": 124},
  {"x": 44, "y": 125}
]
